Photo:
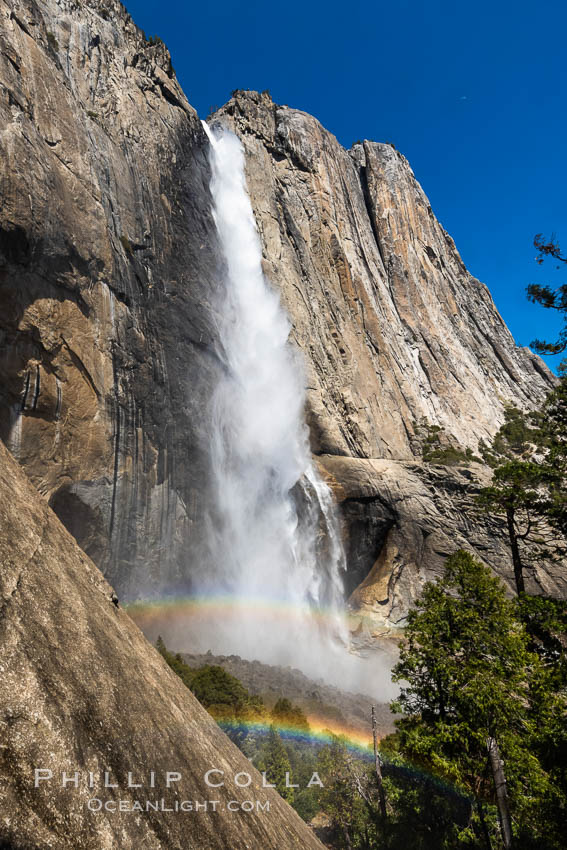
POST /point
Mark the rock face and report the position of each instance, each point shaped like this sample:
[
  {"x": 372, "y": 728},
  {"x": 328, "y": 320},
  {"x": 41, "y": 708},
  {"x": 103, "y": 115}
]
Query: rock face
[
  {"x": 402, "y": 520},
  {"x": 107, "y": 262},
  {"x": 109, "y": 271},
  {"x": 393, "y": 326},
  {"x": 82, "y": 690},
  {"x": 395, "y": 332}
]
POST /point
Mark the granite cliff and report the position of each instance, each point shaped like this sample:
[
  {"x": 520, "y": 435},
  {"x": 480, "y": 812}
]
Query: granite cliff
[
  {"x": 393, "y": 326},
  {"x": 107, "y": 261},
  {"x": 395, "y": 333},
  {"x": 82, "y": 691},
  {"x": 109, "y": 265}
]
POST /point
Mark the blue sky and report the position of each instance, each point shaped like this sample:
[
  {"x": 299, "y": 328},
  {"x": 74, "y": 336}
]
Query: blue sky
[{"x": 472, "y": 93}]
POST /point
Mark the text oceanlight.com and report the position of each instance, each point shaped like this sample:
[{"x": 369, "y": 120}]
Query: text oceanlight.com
[{"x": 95, "y": 804}]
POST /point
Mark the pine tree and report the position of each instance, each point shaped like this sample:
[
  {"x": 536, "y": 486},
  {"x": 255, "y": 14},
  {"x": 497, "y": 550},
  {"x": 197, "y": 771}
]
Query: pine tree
[
  {"x": 275, "y": 762},
  {"x": 518, "y": 493},
  {"x": 554, "y": 436},
  {"x": 345, "y": 798},
  {"x": 524, "y": 480},
  {"x": 287, "y": 714},
  {"x": 546, "y": 296},
  {"x": 528, "y": 490},
  {"x": 466, "y": 704}
]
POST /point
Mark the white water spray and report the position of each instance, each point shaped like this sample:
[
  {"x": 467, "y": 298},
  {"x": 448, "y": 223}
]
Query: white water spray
[
  {"x": 14, "y": 441},
  {"x": 274, "y": 536}
]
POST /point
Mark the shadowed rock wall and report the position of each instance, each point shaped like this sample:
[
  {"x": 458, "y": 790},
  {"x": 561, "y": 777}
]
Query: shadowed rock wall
[
  {"x": 108, "y": 258},
  {"x": 82, "y": 690}
]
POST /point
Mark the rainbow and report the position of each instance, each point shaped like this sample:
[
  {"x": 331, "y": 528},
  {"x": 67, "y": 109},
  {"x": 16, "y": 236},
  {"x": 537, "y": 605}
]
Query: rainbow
[
  {"x": 166, "y": 612},
  {"x": 357, "y": 744},
  {"x": 319, "y": 732},
  {"x": 151, "y": 612}
]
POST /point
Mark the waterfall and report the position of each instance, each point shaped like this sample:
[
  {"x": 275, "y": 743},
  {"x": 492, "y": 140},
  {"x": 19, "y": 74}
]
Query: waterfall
[
  {"x": 274, "y": 538},
  {"x": 14, "y": 441}
]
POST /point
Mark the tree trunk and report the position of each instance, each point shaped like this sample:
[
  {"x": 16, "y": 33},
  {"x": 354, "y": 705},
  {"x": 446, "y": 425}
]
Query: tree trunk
[
  {"x": 381, "y": 794},
  {"x": 516, "y": 559},
  {"x": 347, "y": 838},
  {"x": 501, "y": 792}
]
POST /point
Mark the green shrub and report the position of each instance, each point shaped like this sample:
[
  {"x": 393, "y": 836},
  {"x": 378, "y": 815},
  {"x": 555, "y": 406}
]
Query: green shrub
[
  {"x": 176, "y": 663},
  {"x": 437, "y": 447},
  {"x": 52, "y": 41},
  {"x": 222, "y": 694},
  {"x": 126, "y": 244},
  {"x": 287, "y": 714}
]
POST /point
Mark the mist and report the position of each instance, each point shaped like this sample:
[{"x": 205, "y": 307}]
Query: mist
[{"x": 274, "y": 544}]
